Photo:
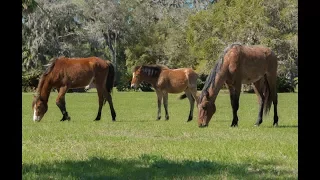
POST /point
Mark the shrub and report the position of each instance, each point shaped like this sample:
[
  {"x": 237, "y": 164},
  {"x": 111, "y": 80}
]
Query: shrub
[
  {"x": 124, "y": 82},
  {"x": 295, "y": 81},
  {"x": 284, "y": 84},
  {"x": 201, "y": 81},
  {"x": 30, "y": 81},
  {"x": 146, "y": 87}
]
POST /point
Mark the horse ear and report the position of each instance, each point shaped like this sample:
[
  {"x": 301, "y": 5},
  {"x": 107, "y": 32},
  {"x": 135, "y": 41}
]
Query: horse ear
[{"x": 135, "y": 68}]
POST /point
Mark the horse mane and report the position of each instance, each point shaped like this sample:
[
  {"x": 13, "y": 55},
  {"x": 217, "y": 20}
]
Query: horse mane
[
  {"x": 212, "y": 76},
  {"x": 49, "y": 68},
  {"x": 151, "y": 70},
  {"x": 51, "y": 64}
]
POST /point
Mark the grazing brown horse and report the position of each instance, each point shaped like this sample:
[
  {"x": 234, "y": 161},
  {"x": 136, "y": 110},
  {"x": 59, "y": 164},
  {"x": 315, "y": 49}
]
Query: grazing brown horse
[
  {"x": 241, "y": 64},
  {"x": 64, "y": 73},
  {"x": 164, "y": 81}
]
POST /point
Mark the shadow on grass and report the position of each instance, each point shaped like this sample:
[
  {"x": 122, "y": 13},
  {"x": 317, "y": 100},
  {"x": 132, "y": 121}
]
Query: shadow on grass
[
  {"x": 135, "y": 121},
  {"x": 285, "y": 126},
  {"x": 146, "y": 167},
  {"x": 279, "y": 126}
]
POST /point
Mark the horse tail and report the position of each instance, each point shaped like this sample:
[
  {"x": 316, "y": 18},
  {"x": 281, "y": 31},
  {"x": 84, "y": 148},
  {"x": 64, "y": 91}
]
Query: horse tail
[
  {"x": 268, "y": 96},
  {"x": 110, "y": 78},
  {"x": 183, "y": 96}
]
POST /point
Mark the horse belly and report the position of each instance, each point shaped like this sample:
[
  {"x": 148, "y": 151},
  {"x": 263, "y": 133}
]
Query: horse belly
[
  {"x": 250, "y": 80},
  {"x": 176, "y": 85},
  {"x": 81, "y": 80},
  {"x": 249, "y": 77},
  {"x": 252, "y": 70},
  {"x": 173, "y": 81}
]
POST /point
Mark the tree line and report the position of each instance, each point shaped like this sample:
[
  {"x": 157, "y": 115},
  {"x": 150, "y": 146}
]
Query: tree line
[{"x": 176, "y": 33}]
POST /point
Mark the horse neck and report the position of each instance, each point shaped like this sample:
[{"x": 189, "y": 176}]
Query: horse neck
[
  {"x": 150, "y": 80},
  {"x": 216, "y": 87},
  {"x": 44, "y": 89}
]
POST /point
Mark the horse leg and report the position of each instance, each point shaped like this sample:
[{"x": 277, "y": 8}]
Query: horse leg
[
  {"x": 100, "y": 99},
  {"x": 191, "y": 101},
  {"x": 274, "y": 96},
  {"x": 165, "y": 104},
  {"x": 258, "y": 89},
  {"x": 195, "y": 95},
  {"x": 61, "y": 103},
  {"x": 234, "y": 98},
  {"x": 275, "y": 111},
  {"x": 159, "y": 96},
  {"x": 109, "y": 99}
]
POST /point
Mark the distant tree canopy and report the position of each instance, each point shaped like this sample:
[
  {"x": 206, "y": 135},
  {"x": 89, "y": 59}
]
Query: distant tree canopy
[
  {"x": 273, "y": 23},
  {"x": 175, "y": 33}
]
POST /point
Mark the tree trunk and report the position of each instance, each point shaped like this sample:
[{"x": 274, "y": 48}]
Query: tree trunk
[{"x": 108, "y": 38}]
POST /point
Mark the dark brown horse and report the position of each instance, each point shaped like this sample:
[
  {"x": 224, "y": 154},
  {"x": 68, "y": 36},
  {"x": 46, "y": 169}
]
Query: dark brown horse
[
  {"x": 64, "y": 73},
  {"x": 241, "y": 64},
  {"x": 164, "y": 81}
]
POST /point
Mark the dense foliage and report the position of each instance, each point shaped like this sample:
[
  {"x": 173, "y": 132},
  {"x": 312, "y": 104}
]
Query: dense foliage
[{"x": 174, "y": 33}]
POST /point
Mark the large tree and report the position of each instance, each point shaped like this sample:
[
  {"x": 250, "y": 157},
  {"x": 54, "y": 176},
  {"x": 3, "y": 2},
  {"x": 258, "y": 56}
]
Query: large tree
[
  {"x": 161, "y": 30},
  {"x": 51, "y": 30},
  {"x": 268, "y": 22}
]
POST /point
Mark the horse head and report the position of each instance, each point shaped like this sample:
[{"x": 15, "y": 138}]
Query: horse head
[
  {"x": 39, "y": 106},
  {"x": 136, "y": 77},
  {"x": 206, "y": 109}
]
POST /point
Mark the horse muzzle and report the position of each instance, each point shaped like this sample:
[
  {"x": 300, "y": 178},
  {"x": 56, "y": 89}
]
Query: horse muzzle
[
  {"x": 203, "y": 125},
  {"x": 37, "y": 118},
  {"x": 133, "y": 86}
]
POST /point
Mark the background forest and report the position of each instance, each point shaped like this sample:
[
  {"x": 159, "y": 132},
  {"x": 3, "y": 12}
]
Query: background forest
[{"x": 176, "y": 33}]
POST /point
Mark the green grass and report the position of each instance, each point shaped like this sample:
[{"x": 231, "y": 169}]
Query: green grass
[{"x": 137, "y": 146}]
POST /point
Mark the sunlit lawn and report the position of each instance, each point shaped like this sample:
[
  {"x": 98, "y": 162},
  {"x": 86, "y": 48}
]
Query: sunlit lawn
[{"x": 137, "y": 146}]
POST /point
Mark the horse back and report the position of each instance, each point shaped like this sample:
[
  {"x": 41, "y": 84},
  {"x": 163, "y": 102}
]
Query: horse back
[
  {"x": 250, "y": 62},
  {"x": 176, "y": 80},
  {"x": 78, "y": 72},
  {"x": 260, "y": 57},
  {"x": 180, "y": 74}
]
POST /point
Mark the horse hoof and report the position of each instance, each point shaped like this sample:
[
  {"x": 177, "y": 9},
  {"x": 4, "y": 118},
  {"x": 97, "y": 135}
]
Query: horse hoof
[{"x": 158, "y": 118}]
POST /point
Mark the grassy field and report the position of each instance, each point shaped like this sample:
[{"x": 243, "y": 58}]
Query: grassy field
[{"x": 137, "y": 146}]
